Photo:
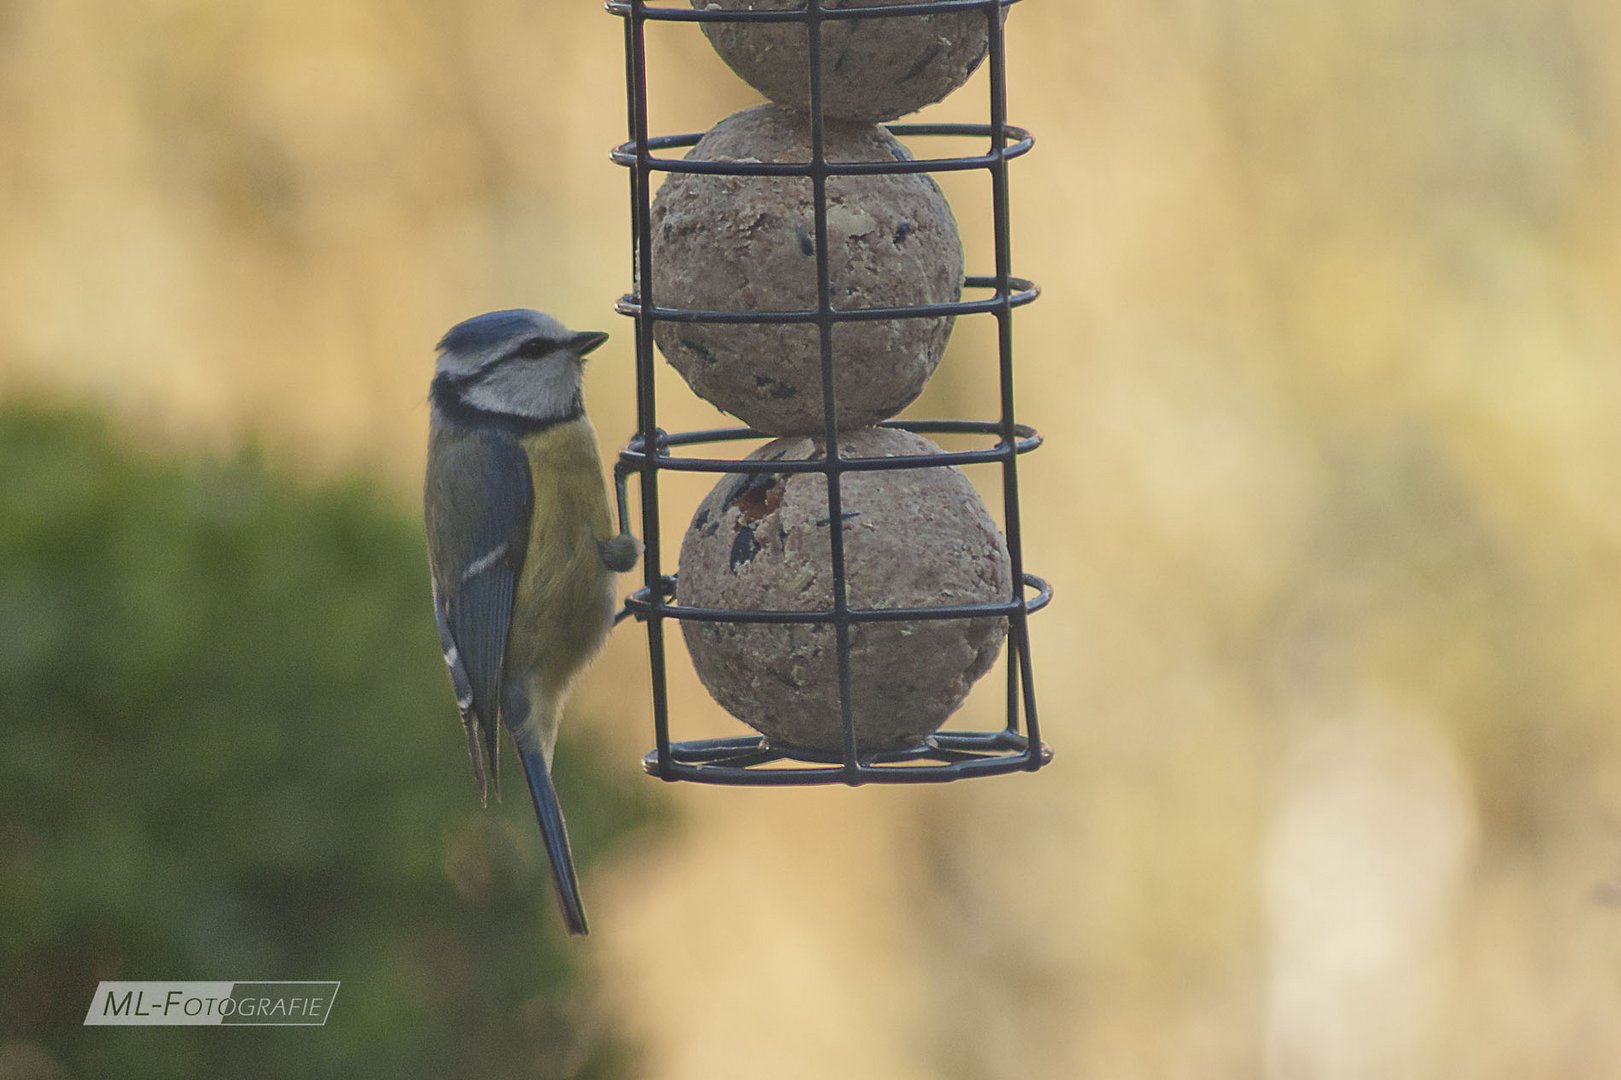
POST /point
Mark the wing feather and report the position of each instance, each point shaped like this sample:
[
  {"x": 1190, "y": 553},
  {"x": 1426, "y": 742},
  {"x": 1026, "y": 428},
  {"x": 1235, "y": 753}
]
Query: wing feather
[{"x": 479, "y": 499}]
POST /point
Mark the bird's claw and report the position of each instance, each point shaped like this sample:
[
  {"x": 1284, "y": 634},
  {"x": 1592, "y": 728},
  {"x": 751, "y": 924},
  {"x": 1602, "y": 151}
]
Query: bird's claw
[{"x": 620, "y": 553}]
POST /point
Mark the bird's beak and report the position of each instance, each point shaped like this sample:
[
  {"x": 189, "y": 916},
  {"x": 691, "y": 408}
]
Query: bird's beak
[{"x": 584, "y": 342}]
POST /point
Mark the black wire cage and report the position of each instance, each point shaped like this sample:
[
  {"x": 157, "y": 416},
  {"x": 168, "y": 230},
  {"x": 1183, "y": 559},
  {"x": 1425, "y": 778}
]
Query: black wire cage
[{"x": 753, "y": 760}]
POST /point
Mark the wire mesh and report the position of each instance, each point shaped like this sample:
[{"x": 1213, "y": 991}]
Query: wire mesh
[{"x": 752, "y": 759}]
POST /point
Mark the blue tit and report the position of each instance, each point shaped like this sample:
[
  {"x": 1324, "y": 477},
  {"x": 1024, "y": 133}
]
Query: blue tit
[{"x": 520, "y": 546}]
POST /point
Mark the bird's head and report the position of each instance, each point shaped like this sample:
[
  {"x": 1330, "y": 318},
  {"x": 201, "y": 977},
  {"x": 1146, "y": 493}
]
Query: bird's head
[{"x": 515, "y": 363}]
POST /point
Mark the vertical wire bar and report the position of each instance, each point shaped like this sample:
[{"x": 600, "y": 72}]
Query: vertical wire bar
[
  {"x": 646, "y": 412},
  {"x": 1018, "y": 622},
  {"x": 1012, "y": 682},
  {"x": 824, "y": 326}
]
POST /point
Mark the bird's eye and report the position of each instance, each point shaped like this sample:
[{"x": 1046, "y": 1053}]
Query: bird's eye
[{"x": 534, "y": 349}]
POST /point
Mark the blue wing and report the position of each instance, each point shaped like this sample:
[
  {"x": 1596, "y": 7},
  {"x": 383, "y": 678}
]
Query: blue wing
[{"x": 478, "y": 502}]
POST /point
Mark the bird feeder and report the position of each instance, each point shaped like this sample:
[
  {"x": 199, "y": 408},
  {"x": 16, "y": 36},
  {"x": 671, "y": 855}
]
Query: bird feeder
[{"x": 849, "y": 682}]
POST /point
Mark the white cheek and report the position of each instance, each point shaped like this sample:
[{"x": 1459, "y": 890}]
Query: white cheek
[
  {"x": 542, "y": 390},
  {"x": 487, "y": 397}
]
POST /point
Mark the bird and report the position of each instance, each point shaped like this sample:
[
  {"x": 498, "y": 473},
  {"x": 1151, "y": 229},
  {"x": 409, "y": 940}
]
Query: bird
[{"x": 521, "y": 549}]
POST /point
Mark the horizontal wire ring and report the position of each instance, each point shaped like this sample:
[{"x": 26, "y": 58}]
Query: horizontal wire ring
[
  {"x": 1022, "y": 141},
  {"x": 1022, "y": 291},
  {"x": 634, "y": 457},
  {"x": 653, "y": 13},
  {"x": 640, "y": 605}
]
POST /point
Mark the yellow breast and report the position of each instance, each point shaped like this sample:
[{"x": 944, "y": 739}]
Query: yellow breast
[{"x": 565, "y": 598}]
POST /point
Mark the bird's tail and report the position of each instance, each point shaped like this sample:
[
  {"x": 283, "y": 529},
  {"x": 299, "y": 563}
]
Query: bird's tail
[{"x": 554, "y": 833}]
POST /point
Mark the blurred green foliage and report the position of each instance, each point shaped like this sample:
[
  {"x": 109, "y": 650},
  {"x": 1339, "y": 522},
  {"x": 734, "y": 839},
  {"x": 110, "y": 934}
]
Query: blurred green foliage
[{"x": 230, "y": 753}]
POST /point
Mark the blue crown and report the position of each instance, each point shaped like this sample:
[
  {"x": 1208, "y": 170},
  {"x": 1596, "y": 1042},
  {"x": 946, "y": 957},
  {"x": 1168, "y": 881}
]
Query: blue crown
[{"x": 484, "y": 331}]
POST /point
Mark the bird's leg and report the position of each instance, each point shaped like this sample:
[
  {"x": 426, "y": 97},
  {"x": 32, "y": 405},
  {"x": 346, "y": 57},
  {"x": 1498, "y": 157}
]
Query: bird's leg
[{"x": 620, "y": 552}]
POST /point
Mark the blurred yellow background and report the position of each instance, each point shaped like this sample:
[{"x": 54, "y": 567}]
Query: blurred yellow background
[{"x": 1329, "y": 364}]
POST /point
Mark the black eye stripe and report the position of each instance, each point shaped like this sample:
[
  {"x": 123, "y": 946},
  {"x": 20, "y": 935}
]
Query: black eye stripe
[{"x": 535, "y": 348}]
